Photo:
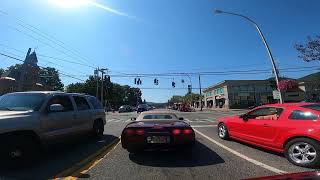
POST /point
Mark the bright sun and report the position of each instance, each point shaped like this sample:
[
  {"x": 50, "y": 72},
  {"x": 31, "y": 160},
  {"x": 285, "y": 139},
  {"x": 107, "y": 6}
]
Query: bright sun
[{"x": 70, "y": 3}]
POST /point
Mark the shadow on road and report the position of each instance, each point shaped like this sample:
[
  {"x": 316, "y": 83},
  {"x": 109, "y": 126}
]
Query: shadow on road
[
  {"x": 56, "y": 158},
  {"x": 200, "y": 155}
]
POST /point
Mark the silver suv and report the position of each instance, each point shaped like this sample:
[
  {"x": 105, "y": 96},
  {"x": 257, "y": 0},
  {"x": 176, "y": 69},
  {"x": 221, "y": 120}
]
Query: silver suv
[{"x": 29, "y": 120}]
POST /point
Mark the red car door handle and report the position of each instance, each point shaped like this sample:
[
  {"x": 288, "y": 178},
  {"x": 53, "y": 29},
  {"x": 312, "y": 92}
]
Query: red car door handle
[{"x": 266, "y": 125}]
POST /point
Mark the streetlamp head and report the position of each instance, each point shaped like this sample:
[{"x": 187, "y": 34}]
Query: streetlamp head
[{"x": 217, "y": 11}]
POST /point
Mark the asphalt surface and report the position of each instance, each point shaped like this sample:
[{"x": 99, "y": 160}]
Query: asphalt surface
[{"x": 209, "y": 159}]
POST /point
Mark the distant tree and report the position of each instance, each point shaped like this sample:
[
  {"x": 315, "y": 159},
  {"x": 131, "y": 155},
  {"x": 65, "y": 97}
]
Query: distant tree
[
  {"x": 1, "y": 71},
  {"x": 49, "y": 77},
  {"x": 311, "y": 50},
  {"x": 115, "y": 94}
]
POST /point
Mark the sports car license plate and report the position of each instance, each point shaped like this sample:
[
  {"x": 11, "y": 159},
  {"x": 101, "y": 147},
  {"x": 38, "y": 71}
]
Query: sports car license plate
[{"x": 158, "y": 139}]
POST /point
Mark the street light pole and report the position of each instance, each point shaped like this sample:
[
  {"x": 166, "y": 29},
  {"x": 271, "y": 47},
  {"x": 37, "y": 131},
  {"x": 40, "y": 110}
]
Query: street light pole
[{"x": 275, "y": 71}]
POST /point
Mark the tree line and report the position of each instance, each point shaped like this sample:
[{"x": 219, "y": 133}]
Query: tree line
[{"x": 115, "y": 95}]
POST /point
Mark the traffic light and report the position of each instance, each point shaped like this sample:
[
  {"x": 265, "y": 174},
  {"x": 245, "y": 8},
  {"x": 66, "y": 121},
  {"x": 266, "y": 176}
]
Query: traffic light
[
  {"x": 189, "y": 89},
  {"x": 156, "y": 82},
  {"x": 139, "y": 82},
  {"x": 107, "y": 78}
]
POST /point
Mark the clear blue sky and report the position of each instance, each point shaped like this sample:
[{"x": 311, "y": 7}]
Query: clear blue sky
[{"x": 144, "y": 36}]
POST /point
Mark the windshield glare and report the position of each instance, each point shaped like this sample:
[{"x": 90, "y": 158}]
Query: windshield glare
[{"x": 21, "y": 102}]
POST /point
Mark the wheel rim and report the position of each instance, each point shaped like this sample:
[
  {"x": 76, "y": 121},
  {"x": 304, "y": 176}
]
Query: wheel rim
[
  {"x": 15, "y": 153},
  {"x": 302, "y": 153},
  {"x": 222, "y": 131}
]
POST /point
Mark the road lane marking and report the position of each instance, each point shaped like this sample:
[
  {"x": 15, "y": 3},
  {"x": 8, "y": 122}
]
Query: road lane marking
[
  {"x": 187, "y": 120},
  {"x": 87, "y": 163},
  {"x": 265, "y": 166},
  {"x": 202, "y": 126}
]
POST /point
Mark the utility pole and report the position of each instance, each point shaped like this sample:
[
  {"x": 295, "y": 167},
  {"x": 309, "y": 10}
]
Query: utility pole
[
  {"x": 200, "y": 93},
  {"x": 274, "y": 67},
  {"x": 96, "y": 73},
  {"x": 102, "y": 86}
]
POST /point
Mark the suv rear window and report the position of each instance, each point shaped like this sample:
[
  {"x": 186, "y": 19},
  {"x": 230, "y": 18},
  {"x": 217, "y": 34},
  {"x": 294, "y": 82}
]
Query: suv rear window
[
  {"x": 81, "y": 103},
  {"x": 301, "y": 115},
  {"x": 95, "y": 103},
  {"x": 315, "y": 107}
]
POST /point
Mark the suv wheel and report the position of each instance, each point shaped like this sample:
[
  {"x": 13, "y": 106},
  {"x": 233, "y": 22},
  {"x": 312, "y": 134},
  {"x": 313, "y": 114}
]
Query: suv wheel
[
  {"x": 303, "y": 152},
  {"x": 223, "y": 131},
  {"x": 21, "y": 149},
  {"x": 98, "y": 129}
]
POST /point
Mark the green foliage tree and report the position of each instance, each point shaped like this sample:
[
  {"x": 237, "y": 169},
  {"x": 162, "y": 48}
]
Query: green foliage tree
[
  {"x": 115, "y": 94},
  {"x": 49, "y": 77},
  {"x": 1, "y": 72},
  {"x": 310, "y": 51},
  {"x": 189, "y": 98}
]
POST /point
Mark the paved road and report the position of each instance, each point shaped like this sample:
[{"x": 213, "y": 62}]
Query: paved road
[
  {"x": 211, "y": 158},
  {"x": 208, "y": 160}
]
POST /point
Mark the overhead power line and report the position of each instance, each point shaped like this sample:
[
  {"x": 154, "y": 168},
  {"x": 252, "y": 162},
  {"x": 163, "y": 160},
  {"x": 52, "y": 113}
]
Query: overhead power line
[
  {"x": 17, "y": 59},
  {"x": 46, "y": 36},
  {"x": 50, "y": 57}
]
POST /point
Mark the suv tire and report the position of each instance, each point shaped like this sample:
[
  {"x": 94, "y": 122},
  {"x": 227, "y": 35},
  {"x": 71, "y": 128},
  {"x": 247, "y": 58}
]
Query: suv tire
[
  {"x": 98, "y": 129},
  {"x": 21, "y": 149}
]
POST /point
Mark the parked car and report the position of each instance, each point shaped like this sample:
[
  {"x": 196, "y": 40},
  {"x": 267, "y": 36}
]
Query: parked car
[
  {"x": 157, "y": 130},
  {"x": 142, "y": 108},
  {"x": 292, "y": 129},
  {"x": 125, "y": 108},
  {"x": 29, "y": 120}
]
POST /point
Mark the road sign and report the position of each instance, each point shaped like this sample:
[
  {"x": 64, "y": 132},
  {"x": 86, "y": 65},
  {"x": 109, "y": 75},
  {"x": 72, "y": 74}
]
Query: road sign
[{"x": 276, "y": 94}]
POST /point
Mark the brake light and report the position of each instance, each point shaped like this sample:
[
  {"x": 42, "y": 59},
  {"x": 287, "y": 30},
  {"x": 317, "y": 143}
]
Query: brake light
[
  {"x": 139, "y": 131},
  {"x": 129, "y": 132},
  {"x": 176, "y": 131},
  {"x": 187, "y": 131}
]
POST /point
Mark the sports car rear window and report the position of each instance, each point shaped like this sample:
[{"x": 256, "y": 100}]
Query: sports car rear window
[
  {"x": 157, "y": 116},
  {"x": 301, "y": 115},
  {"x": 315, "y": 107}
]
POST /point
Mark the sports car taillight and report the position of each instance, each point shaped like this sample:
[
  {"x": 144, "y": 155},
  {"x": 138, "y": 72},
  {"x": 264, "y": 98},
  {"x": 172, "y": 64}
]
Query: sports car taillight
[
  {"x": 187, "y": 131},
  {"x": 129, "y": 132},
  {"x": 139, "y": 131},
  {"x": 176, "y": 131}
]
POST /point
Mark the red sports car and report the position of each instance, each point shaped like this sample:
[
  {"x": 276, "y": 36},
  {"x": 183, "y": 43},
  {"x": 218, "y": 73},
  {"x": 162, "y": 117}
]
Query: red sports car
[
  {"x": 292, "y": 129},
  {"x": 154, "y": 130}
]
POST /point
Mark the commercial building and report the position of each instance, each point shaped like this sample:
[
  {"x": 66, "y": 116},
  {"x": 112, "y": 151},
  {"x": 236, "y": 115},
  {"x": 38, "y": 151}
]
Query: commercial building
[
  {"x": 238, "y": 94},
  {"x": 246, "y": 93}
]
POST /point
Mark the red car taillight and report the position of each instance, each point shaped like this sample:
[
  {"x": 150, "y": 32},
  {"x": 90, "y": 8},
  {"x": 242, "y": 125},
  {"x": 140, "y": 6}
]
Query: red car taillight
[
  {"x": 187, "y": 131},
  {"x": 140, "y": 132},
  {"x": 129, "y": 132},
  {"x": 176, "y": 131}
]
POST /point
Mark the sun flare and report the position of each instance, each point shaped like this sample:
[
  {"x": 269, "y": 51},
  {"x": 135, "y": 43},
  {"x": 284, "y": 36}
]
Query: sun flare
[{"x": 70, "y": 3}]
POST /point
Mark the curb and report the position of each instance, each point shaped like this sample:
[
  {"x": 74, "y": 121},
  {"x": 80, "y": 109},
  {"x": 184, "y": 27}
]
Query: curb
[{"x": 87, "y": 163}]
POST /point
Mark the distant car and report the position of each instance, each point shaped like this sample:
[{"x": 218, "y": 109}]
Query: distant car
[
  {"x": 292, "y": 129},
  {"x": 125, "y": 108},
  {"x": 157, "y": 130},
  {"x": 29, "y": 120},
  {"x": 142, "y": 108}
]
